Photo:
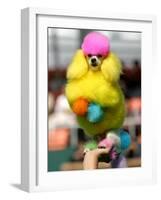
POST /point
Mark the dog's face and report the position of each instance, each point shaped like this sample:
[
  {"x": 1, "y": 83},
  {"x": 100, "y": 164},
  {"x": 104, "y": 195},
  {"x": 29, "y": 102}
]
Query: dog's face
[{"x": 94, "y": 61}]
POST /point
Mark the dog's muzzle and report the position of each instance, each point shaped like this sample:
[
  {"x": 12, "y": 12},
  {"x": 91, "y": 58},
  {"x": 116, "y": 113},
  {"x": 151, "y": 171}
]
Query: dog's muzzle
[{"x": 94, "y": 62}]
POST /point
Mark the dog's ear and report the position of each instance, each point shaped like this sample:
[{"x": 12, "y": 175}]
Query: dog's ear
[
  {"x": 78, "y": 66},
  {"x": 111, "y": 68}
]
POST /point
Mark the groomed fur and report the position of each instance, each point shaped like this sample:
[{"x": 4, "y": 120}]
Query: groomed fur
[{"x": 99, "y": 87}]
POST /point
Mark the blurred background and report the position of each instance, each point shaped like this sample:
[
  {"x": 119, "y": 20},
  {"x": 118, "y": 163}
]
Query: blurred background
[{"x": 65, "y": 139}]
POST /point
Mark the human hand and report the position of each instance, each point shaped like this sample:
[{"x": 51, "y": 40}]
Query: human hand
[{"x": 91, "y": 158}]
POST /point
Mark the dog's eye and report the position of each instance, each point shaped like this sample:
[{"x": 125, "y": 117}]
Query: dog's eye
[
  {"x": 99, "y": 56},
  {"x": 89, "y": 55}
]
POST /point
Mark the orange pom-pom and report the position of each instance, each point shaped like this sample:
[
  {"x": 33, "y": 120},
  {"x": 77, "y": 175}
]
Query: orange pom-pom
[{"x": 80, "y": 106}]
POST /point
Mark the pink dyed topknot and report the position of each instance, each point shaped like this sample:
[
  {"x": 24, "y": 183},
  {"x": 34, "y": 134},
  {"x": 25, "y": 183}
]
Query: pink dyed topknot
[{"x": 95, "y": 43}]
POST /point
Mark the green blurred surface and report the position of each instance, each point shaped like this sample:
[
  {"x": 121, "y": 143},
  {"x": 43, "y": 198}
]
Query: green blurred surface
[{"x": 57, "y": 158}]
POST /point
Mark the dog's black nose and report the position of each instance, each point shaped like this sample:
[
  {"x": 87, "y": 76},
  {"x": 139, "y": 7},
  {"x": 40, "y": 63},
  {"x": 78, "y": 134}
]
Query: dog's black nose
[{"x": 93, "y": 60}]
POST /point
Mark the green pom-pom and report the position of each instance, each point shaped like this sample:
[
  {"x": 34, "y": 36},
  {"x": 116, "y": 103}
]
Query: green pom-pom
[{"x": 91, "y": 145}]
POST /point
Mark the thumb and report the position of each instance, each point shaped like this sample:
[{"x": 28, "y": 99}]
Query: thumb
[{"x": 103, "y": 151}]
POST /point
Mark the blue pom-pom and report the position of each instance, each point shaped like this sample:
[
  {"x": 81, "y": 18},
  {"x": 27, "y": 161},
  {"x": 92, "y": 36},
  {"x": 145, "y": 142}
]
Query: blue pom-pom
[
  {"x": 95, "y": 113},
  {"x": 125, "y": 139}
]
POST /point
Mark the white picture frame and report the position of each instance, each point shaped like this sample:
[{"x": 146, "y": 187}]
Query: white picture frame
[{"x": 34, "y": 175}]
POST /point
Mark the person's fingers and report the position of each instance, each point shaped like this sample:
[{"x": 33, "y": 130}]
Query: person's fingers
[
  {"x": 91, "y": 158},
  {"x": 102, "y": 151}
]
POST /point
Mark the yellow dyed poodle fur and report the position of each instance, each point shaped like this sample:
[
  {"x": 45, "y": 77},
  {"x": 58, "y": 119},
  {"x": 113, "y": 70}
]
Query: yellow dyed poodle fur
[{"x": 100, "y": 87}]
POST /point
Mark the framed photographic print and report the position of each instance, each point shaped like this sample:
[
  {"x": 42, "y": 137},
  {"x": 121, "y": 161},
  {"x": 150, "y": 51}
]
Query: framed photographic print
[{"x": 87, "y": 114}]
